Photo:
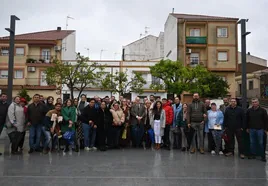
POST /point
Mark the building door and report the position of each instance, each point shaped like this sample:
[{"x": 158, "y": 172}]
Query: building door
[
  {"x": 43, "y": 81},
  {"x": 46, "y": 55}
]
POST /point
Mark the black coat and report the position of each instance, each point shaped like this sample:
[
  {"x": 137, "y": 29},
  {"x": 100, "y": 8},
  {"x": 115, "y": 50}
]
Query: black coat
[
  {"x": 104, "y": 119},
  {"x": 88, "y": 114},
  {"x": 234, "y": 118},
  {"x": 3, "y": 112},
  {"x": 257, "y": 119}
]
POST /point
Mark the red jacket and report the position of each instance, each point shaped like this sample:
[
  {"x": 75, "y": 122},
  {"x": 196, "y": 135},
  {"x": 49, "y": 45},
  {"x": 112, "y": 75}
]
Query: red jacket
[{"x": 169, "y": 113}]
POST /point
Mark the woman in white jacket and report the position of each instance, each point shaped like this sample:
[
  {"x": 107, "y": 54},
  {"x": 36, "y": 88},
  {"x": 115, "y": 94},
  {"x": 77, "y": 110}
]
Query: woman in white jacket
[
  {"x": 158, "y": 123},
  {"x": 15, "y": 123}
]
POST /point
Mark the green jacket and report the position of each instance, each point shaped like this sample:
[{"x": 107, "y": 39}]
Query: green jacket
[
  {"x": 68, "y": 113},
  {"x": 180, "y": 122}
]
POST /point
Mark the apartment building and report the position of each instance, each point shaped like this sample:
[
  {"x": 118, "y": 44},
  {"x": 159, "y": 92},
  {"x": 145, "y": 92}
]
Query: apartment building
[
  {"x": 34, "y": 52},
  {"x": 204, "y": 40}
]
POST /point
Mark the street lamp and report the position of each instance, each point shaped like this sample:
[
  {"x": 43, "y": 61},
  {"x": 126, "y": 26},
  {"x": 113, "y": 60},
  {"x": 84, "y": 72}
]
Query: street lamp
[
  {"x": 102, "y": 50},
  {"x": 11, "y": 30},
  {"x": 87, "y": 52},
  {"x": 244, "y": 61}
]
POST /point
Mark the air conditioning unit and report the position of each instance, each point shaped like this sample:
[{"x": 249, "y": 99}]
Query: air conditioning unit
[
  {"x": 31, "y": 69},
  {"x": 188, "y": 51},
  {"x": 57, "y": 48}
]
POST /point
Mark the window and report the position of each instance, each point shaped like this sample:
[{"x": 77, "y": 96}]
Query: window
[
  {"x": 194, "y": 58},
  {"x": 3, "y": 74},
  {"x": 223, "y": 56},
  {"x": 4, "y": 51},
  {"x": 46, "y": 55},
  {"x": 18, "y": 74},
  {"x": 250, "y": 86},
  {"x": 19, "y": 51},
  {"x": 195, "y": 32},
  {"x": 222, "y": 32},
  {"x": 155, "y": 80}
]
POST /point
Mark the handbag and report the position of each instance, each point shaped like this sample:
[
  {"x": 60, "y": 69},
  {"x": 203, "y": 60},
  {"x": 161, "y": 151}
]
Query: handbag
[
  {"x": 225, "y": 136},
  {"x": 151, "y": 134},
  {"x": 68, "y": 136},
  {"x": 124, "y": 134}
]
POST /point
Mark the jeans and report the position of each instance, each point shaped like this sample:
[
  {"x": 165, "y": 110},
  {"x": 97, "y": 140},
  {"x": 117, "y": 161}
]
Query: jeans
[
  {"x": 198, "y": 131},
  {"x": 137, "y": 134},
  {"x": 256, "y": 140},
  {"x": 216, "y": 134},
  {"x": 183, "y": 138},
  {"x": 47, "y": 136},
  {"x": 115, "y": 135},
  {"x": 34, "y": 137},
  {"x": 89, "y": 135}
]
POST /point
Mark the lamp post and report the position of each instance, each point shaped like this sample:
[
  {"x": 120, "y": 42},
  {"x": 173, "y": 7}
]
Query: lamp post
[
  {"x": 11, "y": 30},
  {"x": 244, "y": 61}
]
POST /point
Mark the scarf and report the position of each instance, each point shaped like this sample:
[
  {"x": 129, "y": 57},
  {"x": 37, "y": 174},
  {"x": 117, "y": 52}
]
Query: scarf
[
  {"x": 184, "y": 115},
  {"x": 49, "y": 114}
]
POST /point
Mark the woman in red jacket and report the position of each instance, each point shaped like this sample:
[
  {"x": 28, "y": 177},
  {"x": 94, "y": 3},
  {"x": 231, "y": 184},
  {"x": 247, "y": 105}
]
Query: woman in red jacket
[{"x": 169, "y": 120}]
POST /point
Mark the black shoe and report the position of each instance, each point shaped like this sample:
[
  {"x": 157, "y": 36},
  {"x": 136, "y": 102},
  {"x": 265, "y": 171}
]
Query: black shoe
[
  {"x": 31, "y": 151},
  {"x": 38, "y": 150},
  {"x": 0, "y": 154},
  {"x": 66, "y": 150},
  {"x": 183, "y": 149},
  {"x": 263, "y": 159},
  {"x": 103, "y": 149},
  {"x": 251, "y": 157},
  {"x": 75, "y": 149}
]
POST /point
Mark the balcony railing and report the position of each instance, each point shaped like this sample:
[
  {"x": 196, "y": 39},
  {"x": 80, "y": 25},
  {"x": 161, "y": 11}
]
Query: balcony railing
[
  {"x": 36, "y": 82},
  {"x": 40, "y": 59},
  {"x": 196, "y": 40}
]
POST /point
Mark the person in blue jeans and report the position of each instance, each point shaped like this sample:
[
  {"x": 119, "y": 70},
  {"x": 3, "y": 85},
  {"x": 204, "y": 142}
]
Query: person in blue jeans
[
  {"x": 89, "y": 118},
  {"x": 256, "y": 127},
  {"x": 36, "y": 116}
]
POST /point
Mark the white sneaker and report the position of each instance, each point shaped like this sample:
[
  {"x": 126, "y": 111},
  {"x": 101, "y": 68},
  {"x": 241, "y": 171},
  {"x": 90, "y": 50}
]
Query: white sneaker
[
  {"x": 220, "y": 153},
  {"x": 94, "y": 148},
  {"x": 87, "y": 149},
  {"x": 90, "y": 149},
  {"x": 213, "y": 152}
]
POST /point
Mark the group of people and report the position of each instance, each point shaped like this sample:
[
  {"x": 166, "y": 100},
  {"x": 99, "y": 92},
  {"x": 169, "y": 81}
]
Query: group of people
[{"x": 96, "y": 123}]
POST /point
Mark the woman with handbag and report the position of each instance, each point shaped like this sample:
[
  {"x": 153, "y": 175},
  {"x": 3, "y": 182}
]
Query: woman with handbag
[
  {"x": 68, "y": 126},
  {"x": 182, "y": 126},
  {"x": 15, "y": 123},
  {"x": 125, "y": 137},
  {"x": 118, "y": 122},
  {"x": 158, "y": 123}
]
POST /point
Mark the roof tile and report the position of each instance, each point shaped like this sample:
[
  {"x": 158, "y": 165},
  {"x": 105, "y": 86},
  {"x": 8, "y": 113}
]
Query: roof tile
[{"x": 201, "y": 17}]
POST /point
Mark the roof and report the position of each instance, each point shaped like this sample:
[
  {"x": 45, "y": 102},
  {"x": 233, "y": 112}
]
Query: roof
[
  {"x": 251, "y": 68},
  {"x": 141, "y": 39},
  {"x": 50, "y": 35},
  {"x": 202, "y": 17}
]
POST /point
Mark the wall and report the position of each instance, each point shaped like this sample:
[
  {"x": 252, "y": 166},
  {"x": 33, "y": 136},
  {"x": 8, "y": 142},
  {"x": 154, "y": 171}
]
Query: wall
[
  {"x": 159, "y": 53},
  {"x": 170, "y": 38},
  {"x": 255, "y": 92},
  {"x": 142, "y": 49},
  {"x": 68, "y": 51}
]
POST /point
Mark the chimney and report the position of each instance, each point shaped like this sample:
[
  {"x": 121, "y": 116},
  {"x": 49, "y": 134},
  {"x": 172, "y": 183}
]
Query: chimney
[
  {"x": 248, "y": 53},
  {"x": 58, "y": 28}
]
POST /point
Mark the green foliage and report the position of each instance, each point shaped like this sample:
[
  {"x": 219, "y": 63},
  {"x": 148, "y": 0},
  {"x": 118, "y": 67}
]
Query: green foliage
[
  {"x": 178, "y": 78},
  {"x": 75, "y": 75},
  {"x": 23, "y": 93},
  {"x": 121, "y": 84}
]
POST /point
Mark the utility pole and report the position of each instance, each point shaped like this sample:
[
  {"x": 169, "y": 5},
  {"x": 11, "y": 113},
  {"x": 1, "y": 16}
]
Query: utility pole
[
  {"x": 244, "y": 34},
  {"x": 102, "y": 50},
  {"x": 11, "y": 30}
]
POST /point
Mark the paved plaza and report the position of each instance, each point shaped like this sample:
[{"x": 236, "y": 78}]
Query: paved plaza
[{"x": 128, "y": 167}]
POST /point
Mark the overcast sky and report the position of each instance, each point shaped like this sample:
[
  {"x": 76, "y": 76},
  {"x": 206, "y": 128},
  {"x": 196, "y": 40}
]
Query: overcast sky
[{"x": 110, "y": 24}]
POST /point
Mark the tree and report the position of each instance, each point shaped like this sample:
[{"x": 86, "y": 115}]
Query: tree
[
  {"x": 211, "y": 86},
  {"x": 75, "y": 75},
  {"x": 178, "y": 78},
  {"x": 23, "y": 93},
  {"x": 121, "y": 83},
  {"x": 175, "y": 75}
]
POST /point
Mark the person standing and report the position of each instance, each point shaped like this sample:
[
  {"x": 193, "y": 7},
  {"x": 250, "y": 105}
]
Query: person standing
[
  {"x": 137, "y": 122},
  {"x": 50, "y": 103},
  {"x": 169, "y": 121},
  {"x": 215, "y": 126},
  {"x": 104, "y": 120},
  {"x": 23, "y": 104},
  {"x": 148, "y": 137},
  {"x": 256, "y": 127},
  {"x": 177, "y": 107},
  {"x": 158, "y": 123},
  {"x": 224, "y": 105},
  {"x": 234, "y": 125},
  {"x": 3, "y": 111},
  {"x": 196, "y": 119},
  {"x": 182, "y": 126},
  {"x": 80, "y": 107},
  {"x": 125, "y": 140},
  {"x": 118, "y": 122},
  {"x": 68, "y": 125},
  {"x": 15, "y": 123},
  {"x": 89, "y": 118},
  {"x": 36, "y": 116}
]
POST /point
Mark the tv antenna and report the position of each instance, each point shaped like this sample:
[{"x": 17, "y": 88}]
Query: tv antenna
[{"x": 67, "y": 19}]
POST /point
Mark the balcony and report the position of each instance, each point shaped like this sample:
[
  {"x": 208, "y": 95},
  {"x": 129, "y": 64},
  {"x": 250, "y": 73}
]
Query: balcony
[
  {"x": 38, "y": 83},
  {"x": 196, "y": 40},
  {"x": 40, "y": 60},
  {"x": 194, "y": 61}
]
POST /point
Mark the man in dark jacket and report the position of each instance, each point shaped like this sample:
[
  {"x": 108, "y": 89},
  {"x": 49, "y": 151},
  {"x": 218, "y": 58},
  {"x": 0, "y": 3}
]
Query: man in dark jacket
[
  {"x": 3, "y": 111},
  {"x": 196, "y": 119},
  {"x": 256, "y": 127},
  {"x": 234, "y": 125},
  {"x": 89, "y": 118},
  {"x": 36, "y": 116}
]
